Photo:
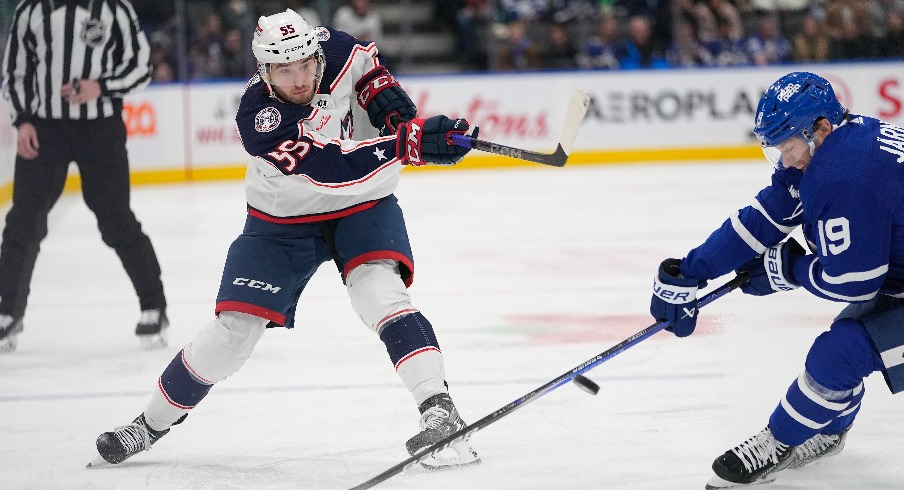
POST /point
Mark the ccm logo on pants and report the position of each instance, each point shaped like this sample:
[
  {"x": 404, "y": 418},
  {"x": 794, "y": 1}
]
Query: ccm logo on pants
[{"x": 253, "y": 283}]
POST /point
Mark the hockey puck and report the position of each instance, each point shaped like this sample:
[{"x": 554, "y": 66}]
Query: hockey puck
[{"x": 586, "y": 384}]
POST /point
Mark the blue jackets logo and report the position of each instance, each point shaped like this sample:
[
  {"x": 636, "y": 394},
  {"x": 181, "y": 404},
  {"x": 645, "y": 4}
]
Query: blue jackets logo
[{"x": 267, "y": 120}]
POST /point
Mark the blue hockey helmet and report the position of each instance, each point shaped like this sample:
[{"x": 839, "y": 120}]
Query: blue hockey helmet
[{"x": 792, "y": 105}]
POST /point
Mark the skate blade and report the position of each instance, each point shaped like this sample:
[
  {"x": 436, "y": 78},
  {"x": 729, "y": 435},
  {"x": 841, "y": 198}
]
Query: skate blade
[
  {"x": 98, "y": 462},
  {"x": 9, "y": 344},
  {"x": 153, "y": 341},
  {"x": 715, "y": 483},
  {"x": 455, "y": 456}
]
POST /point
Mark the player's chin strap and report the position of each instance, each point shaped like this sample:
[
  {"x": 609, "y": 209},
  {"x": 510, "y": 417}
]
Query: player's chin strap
[
  {"x": 844, "y": 120},
  {"x": 468, "y": 431}
]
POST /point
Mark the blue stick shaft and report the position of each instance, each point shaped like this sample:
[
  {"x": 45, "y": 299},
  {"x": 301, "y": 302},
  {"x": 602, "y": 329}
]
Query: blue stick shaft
[{"x": 591, "y": 363}]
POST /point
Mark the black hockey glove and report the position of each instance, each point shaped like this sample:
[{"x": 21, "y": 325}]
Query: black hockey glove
[
  {"x": 381, "y": 95},
  {"x": 675, "y": 298},
  {"x": 427, "y": 142},
  {"x": 773, "y": 271}
]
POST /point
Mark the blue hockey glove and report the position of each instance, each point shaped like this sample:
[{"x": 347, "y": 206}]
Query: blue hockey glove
[
  {"x": 426, "y": 141},
  {"x": 772, "y": 271},
  {"x": 386, "y": 103},
  {"x": 675, "y": 298}
]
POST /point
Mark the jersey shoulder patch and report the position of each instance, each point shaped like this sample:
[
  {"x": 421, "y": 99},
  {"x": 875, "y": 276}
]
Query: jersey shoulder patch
[
  {"x": 267, "y": 119},
  {"x": 322, "y": 33},
  {"x": 264, "y": 122}
]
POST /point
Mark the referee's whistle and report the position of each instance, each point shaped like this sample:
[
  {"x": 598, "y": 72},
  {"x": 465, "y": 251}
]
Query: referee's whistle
[{"x": 76, "y": 87}]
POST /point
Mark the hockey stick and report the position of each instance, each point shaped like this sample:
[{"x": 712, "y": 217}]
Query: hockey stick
[
  {"x": 577, "y": 108},
  {"x": 587, "y": 365}
]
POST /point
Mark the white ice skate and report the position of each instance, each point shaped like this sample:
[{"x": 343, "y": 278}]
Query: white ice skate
[
  {"x": 439, "y": 418},
  {"x": 817, "y": 447}
]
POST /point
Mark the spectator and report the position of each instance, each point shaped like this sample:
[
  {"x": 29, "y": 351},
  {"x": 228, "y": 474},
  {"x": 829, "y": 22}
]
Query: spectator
[
  {"x": 779, "y": 6},
  {"x": 700, "y": 19},
  {"x": 163, "y": 73},
  {"x": 726, "y": 49},
  {"x": 234, "y": 64},
  {"x": 567, "y": 11},
  {"x": 161, "y": 66},
  {"x": 558, "y": 52},
  {"x": 728, "y": 19},
  {"x": 685, "y": 50},
  {"x": 358, "y": 19},
  {"x": 837, "y": 12},
  {"x": 523, "y": 10},
  {"x": 768, "y": 46},
  {"x": 892, "y": 44},
  {"x": 640, "y": 52},
  {"x": 471, "y": 21},
  {"x": 811, "y": 43},
  {"x": 206, "y": 49},
  {"x": 518, "y": 51},
  {"x": 870, "y": 17},
  {"x": 853, "y": 43},
  {"x": 603, "y": 51}
]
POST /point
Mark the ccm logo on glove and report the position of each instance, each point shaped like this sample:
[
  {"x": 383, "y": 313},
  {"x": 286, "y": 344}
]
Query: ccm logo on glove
[
  {"x": 413, "y": 143},
  {"x": 375, "y": 86}
]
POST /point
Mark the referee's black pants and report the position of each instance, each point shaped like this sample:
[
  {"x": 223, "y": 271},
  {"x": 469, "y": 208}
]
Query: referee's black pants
[{"x": 99, "y": 149}]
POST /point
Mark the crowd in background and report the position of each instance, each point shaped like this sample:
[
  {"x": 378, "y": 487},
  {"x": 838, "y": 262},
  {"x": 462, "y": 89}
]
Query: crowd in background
[
  {"x": 609, "y": 35},
  {"x": 500, "y": 35}
]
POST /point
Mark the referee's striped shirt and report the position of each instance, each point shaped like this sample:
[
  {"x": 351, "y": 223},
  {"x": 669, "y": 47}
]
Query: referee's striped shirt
[{"x": 51, "y": 43}]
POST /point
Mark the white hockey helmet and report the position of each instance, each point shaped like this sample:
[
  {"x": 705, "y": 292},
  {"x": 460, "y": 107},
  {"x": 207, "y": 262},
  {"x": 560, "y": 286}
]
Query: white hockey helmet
[{"x": 283, "y": 38}]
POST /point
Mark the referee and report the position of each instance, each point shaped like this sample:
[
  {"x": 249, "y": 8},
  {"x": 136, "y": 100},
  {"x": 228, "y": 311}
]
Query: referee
[{"x": 68, "y": 64}]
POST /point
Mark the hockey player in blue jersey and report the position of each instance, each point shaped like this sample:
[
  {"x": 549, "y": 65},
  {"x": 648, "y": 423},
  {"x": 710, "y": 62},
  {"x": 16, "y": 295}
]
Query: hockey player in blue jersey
[
  {"x": 839, "y": 176},
  {"x": 328, "y": 129}
]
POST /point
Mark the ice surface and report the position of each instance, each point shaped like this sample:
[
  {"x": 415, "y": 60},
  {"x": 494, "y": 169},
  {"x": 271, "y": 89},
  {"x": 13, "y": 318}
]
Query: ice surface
[{"x": 525, "y": 274}]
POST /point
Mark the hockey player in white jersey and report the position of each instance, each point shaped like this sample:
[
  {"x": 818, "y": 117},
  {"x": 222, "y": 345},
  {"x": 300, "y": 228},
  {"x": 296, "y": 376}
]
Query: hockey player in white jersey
[
  {"x": 329, "y": 129},
  {"x": 839, "y": 176}
]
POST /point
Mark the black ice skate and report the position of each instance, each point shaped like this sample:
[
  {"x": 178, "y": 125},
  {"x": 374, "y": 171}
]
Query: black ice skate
[
  {"x": 151, "y": 329},
  {"x": 817, "y": 447},
  {"x": 10, "y": 328},
  {"x": 754, "y": 462},
  {"x": 439, "y": 418},
  {"x": 126, "y": 441}
]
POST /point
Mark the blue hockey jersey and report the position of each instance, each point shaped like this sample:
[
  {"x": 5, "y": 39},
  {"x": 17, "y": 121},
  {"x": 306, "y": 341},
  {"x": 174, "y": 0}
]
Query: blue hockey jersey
[
  {"x": 850, "y": 203},
  {"x": 319, "y": 161}
]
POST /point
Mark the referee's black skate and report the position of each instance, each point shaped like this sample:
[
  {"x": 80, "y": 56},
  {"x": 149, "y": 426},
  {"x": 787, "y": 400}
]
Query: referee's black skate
[
  {"x": 126, "y": 441},
  {"x": 753, "y": 462},
  {"x": 10, "y": 328},
  {"x": 439, "y": 418},
  {"x": 151, "y": 329}
]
